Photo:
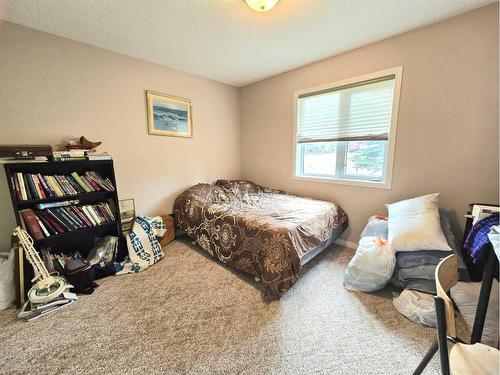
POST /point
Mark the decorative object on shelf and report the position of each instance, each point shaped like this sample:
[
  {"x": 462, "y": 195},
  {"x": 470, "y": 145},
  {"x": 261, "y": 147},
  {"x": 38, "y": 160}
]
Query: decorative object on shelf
[
  {"x": 169, "y": 115},
  {"x": 169, "y": 235},
  {"x": 82, "y": 144},
  {"x": 261, "y": 5},
  {"x": 81, "y": 149},
  {"x": 25, "y": 152}
]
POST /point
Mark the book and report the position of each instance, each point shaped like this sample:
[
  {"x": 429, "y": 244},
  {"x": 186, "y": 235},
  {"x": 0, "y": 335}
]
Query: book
[
  {"x": 76, "y": 219},
  {"x": 68, "y": 153},
  {"x": 65, "y": 216},
  {"x": 44, "y": 229},
  {"x": 52, "y": 229},
  {"x": 42, "y": 206},
  {"x": 99, "y": 157},
  {"x": 80, "y": 182},
  {"x": 22, "y": 189},
  {"x": 39, "y": 186},
  {"x": 55, "y": 186},
  {"x": 47, "y": 186},
  {"x": 67, "y": 227},
  {"x": 27, "y": 187},
  {"x": 15, "y": 187},
  {"x": 86, "y": 181},
  {"x": 52, "y": 221},
  {"x": 31, "y": 223},
  {"x": 70, "y": 158}
]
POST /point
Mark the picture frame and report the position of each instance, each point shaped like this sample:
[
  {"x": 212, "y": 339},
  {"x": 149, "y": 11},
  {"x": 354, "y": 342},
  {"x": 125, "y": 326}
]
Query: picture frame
[{"x": 169, "y": 115}]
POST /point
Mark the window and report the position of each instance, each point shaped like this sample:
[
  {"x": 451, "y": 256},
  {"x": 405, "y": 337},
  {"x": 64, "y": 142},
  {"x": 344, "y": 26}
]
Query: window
[{"x": 345, "y": 132}]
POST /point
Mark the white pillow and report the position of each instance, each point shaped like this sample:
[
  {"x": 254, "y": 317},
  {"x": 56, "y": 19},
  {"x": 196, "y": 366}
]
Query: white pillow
[{"x": 414, "y": 225}]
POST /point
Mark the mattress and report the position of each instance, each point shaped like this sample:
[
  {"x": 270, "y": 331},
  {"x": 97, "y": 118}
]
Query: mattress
[{"x": 261, "y": 231}]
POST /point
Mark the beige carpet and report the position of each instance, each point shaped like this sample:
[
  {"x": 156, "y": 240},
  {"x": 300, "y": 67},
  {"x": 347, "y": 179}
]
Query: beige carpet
[{"x": 190, "y": 314}]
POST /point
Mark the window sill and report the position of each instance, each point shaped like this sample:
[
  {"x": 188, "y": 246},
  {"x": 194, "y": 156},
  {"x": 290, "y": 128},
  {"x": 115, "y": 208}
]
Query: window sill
[{"x": 338, "y": 181}]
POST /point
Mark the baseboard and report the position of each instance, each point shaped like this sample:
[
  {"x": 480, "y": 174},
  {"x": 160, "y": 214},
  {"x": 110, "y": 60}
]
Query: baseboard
[{"x": 349, "y": 244}]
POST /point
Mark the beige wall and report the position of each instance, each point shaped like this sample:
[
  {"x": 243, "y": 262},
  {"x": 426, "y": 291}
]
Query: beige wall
[
  {"x": 447, "y": 137},
  {"x": 53, "y": 89}
]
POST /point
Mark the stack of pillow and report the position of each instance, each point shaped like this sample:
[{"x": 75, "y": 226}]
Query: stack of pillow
[{"x": 420, "y": 235}]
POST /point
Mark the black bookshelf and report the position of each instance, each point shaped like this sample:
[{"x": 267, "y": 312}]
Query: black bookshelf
[{"x": 80, "y": 239}]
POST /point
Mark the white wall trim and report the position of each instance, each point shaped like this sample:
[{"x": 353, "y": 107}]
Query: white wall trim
[{"x": 349, "y": 244}]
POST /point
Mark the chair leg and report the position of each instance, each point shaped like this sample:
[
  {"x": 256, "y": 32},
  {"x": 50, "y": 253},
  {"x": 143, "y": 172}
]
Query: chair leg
[
  {"x": 441, "y": 336},
  {"x": 427, "y": 358},
  {"x": 484, "y": 298}
]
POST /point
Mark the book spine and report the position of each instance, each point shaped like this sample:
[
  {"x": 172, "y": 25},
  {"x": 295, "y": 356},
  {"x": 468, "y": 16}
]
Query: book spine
[
  {"x": 47, "y": 186},
  {"x": 45, "y": 189},
  {"x": 94, "y": 184},
  {"x": 47, "y": 223},
  {"x": 31, "y": 223},
  {"x": 33, "y": 187},
  {"x": 82, "y": 217},
  {"x": 74, "y": 225},
  {"x": 80, "y": 182},
  {"x": 44, "y": 230},
  {"x": 15, "y": 186},
  {"x": 39, "y": 186},
  {"x": 87, "y": 182},
  {"x": 42, "y": 206},
  {"x": 62, "y": 222},
  {"x": 56, "y": 224},
  {"x": 74, "y": 216},
  {"x": 89, "y": 215},
  {"x": 27, "y": 186},
  {"x": 20, "y": 180},
  {"x": 53, "y": 186},
  {"x": 74, "y": 184},
  {"x": 61, "y": 185}
]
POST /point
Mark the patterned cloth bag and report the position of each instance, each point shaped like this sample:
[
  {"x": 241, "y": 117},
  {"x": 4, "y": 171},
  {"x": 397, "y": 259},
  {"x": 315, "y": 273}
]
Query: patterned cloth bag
[{"x": 142, "y": 243}]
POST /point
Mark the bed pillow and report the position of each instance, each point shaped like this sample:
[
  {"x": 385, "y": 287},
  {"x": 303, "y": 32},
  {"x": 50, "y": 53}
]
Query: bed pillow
[{"x": 413, "y": 224}]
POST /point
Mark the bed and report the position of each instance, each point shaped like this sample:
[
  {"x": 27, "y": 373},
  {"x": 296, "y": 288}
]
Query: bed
[{"x": 264, "y": 232}]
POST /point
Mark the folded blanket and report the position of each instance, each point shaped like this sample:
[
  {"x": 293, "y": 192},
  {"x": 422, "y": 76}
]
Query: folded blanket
[{"x": 142, "y": 243}]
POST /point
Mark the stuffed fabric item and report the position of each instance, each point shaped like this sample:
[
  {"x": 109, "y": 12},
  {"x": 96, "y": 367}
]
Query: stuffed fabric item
[
  {"x": 466, "y": 296},
  {"x": 414, "y": 225},
  {"x": 407, "y": 260},
  {"x": 371, "y": 267},
  {"x": 416, "y": 306},
  {"x": 142, "y": 243}
]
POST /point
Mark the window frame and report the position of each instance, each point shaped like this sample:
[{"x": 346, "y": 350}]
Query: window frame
[{"x": 386, "y": 182}]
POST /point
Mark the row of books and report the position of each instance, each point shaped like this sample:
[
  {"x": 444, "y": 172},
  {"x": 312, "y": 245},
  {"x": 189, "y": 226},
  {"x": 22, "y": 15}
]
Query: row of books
[
  {"x": 37, "y": 186},
  {"x": 64, "y": 217},
  {"x": 70, "y": 155}
]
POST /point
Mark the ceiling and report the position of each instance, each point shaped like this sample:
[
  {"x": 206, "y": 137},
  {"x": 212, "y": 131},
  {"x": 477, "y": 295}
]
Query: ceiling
[{"x": 225, "y": 40}]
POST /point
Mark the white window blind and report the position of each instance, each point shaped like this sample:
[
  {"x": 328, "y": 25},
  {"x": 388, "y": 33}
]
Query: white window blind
[{"x": 356, "y": 112}]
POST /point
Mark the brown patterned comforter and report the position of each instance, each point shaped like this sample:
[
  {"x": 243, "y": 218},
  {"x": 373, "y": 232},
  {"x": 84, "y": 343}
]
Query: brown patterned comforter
[{"x": 261, "y": 231}]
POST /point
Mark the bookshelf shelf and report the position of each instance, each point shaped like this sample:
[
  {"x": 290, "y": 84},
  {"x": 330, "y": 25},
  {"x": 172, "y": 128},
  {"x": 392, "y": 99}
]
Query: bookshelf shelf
[
  {"x": 76, "y": 232},
  {"x": 82, "y": 239},
  {"x": 93, "y": 196}
]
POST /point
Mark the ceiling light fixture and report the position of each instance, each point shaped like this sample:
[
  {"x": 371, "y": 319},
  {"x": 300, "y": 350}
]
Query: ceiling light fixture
[{"x": 261, "y": 5}]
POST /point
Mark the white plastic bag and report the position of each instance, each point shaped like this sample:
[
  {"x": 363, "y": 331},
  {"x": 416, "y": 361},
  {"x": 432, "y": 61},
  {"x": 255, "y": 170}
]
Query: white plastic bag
[
  {"x": 371, "y": 267},
  {"x": 7, "y": 286},
  {"x": 416, "y": 306}
]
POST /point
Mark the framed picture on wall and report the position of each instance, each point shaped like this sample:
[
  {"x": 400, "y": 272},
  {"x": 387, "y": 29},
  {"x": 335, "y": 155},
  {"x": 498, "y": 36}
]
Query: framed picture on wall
[{"x": 169, "y": 115}]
